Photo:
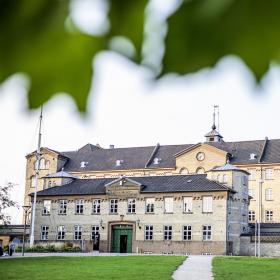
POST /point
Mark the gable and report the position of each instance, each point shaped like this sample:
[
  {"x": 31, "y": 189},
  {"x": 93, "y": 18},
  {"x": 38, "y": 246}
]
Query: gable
[
  {"x": 212, "y": 157},
  {"x": 123, "y": 187}
]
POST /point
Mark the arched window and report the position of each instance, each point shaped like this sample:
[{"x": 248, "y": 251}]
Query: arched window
[
  {"x": 200, "y": 170},
  {"x": 184, "y": 171},
  {"x": 32, "y": 181},
  {"x": 47, "y": 164},
  {"x": 42, "y": 163},
  {"x": 49, "y": 184},
  {"x": 219, "y": 178}
]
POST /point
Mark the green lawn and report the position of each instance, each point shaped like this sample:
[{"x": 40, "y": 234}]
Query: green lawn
[
  {"x": 239, "y": 268},
  {"x": 79, "y": 268}
]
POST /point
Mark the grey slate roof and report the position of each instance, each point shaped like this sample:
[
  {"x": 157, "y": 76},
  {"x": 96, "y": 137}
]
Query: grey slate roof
[
  {"x": 152, "y": 184},
  {"x": 99, "y": 159},
  {"x": 60, "y": 174},
  {"x": 133, "y": 158},
  {"x": 227, "y": 167}
]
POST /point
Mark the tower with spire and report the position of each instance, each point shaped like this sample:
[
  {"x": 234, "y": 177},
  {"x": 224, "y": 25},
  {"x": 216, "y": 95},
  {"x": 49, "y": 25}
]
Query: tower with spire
[{"x": 214, "y": 135}]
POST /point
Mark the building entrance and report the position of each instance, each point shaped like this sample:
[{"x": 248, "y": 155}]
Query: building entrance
[{"x": 121, "y": 239}]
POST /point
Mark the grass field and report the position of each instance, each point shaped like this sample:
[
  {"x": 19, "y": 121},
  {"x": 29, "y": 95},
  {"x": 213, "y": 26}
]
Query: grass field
[
  {"x": 241, "y": 268},
  {"x": 80, "y": 268}
]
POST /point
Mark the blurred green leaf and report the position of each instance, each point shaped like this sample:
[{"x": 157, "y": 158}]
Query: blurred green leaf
[
  {"x": 34, "y": 40},
  {"x": 127, "y": 19},
  {"x": 203, "y": 31}
]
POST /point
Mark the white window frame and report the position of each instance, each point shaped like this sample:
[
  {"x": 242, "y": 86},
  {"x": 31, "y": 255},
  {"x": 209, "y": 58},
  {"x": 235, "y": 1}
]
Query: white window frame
[
  {"x": 268, "y": 194},
  {"x": 78, "y": 232},
  {"x": 187, "y": 233},
  {"x": 44, "y": 232},
  {"x": 187, "y": 204},
  {"x": 79, "y": 207},
  {"x": 268, "y": 173},
  {"x": 168, "y": 205},
  {"x": 150, "y": 205},
  {"x": 94, "y": 231},
  {"x": 206, "y": 233},
  {"x": 269, "y": 215},
  {"x": 113, "y": 207},
  {"x": 131, "y": 205},
  {"x": 167, "y": 232},
  {"x": 149, "y": 232},
  {"x": 96, "y": 206},
  {"x": 60, "y": 232},
  {"x": 207, "y": 204},
  {"x": 251, "y": 216},
  {"x": 62, "y": 207},
  {"x": 47, "y": 207}
]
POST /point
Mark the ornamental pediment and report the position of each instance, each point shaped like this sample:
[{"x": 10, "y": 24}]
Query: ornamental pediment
[{"x": 123, "y": 187}]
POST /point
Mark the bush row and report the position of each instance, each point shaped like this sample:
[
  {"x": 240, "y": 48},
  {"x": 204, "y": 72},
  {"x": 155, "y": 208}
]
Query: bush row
[{"x": 49, "y": 248}]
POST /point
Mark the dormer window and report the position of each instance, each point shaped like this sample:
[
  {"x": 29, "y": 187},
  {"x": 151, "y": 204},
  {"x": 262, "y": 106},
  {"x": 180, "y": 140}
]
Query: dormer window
[
  {"x": 84, "y": 164},
  {"x": 119, "y": 162},
  {"x": 253, "y": 156},
  {"x": 156, "y": 160}
]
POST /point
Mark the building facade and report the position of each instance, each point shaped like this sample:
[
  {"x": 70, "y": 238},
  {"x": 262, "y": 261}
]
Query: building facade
[
  {"x": 187, "y": 214},
  {"x": 260, "y": 159}
]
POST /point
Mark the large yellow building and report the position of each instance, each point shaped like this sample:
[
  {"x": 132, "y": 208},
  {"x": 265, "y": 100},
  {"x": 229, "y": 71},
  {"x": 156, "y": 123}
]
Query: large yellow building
[{"x": 261, "y": 158}]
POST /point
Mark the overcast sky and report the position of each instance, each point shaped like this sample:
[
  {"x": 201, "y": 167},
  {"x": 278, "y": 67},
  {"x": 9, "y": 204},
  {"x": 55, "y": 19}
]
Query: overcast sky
[{"x": 126, "y": 109}]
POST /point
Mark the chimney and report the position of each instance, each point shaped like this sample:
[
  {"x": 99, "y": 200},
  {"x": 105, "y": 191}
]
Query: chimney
[{"x": 111, "y": 146}]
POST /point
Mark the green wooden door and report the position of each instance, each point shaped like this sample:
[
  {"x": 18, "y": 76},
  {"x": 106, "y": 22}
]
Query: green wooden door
[{"x": 121, "y": 239}]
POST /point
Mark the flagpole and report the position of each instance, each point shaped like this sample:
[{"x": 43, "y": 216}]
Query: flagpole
[{"x": 38, "y": 157}]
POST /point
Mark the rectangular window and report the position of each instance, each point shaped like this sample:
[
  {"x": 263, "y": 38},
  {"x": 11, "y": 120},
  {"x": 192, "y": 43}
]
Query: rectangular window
[
  {"x": 95, "y": 233},
  {"x": 268, "y": 194},
  {"x": 150, "y": 205},
  {"x": 251, "y": 193},
  {"x": 268, "y": 173},
  {"x": 79, "y": 206},
  {"x": 251, "y": 216},
  {"x": 206, "y": 233},
  {"x": 46, "y": 207},
  {"x": 187, "y": 204},
  {"x": 96, "y": 206},
  {"x": 187, "y": 233},
  {"x": 77, "y": 232},
  {"x": 61, "y": 232},
  {"x": 269, "y": 215},
  {"x": 252, "y": 175},
  {"x": 149, "y": 232},
  {"x": 167, "y": 233},
  {"x": 168, "y": 205},
  {"x": 62, "y": 207},
  {"x": 131, "y": 205},
  {"x": 113, "y": 206},
  {"x": 207, "y": 204},
  {"x": 44, "y": 233}
]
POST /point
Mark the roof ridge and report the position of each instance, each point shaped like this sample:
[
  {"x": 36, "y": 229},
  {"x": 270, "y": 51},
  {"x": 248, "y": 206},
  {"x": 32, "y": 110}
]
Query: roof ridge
[
  {"x": 152, "y": 154},
  {"x": 263, "y": 149}
]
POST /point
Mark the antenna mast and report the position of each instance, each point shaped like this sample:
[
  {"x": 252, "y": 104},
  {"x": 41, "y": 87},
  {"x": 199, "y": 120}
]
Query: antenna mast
[
  {"x": 38, "y": 157},
  {"x": 216, "y": 107}
]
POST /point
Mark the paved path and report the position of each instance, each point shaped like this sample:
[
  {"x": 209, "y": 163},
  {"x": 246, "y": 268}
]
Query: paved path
[{"x": 195, "y": 268}]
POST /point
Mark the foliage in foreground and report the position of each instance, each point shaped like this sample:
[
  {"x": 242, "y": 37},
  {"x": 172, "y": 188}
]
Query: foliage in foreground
[
  {"x": 5, "y": 203},
  {"x": 45, "y": 268},
  {"x": 39, "y": 38},
  {"x": 49, "y": 249},
  {"x": 246, "y": 268}
]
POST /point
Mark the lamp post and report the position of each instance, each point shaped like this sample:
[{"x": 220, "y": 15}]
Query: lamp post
[{"x": 25, "y": 209}]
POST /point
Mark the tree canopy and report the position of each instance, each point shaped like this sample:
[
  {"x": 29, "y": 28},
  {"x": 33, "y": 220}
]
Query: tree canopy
[
  {"x": 39, "y": 38},
  {"x": 5, "y": 203}
]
